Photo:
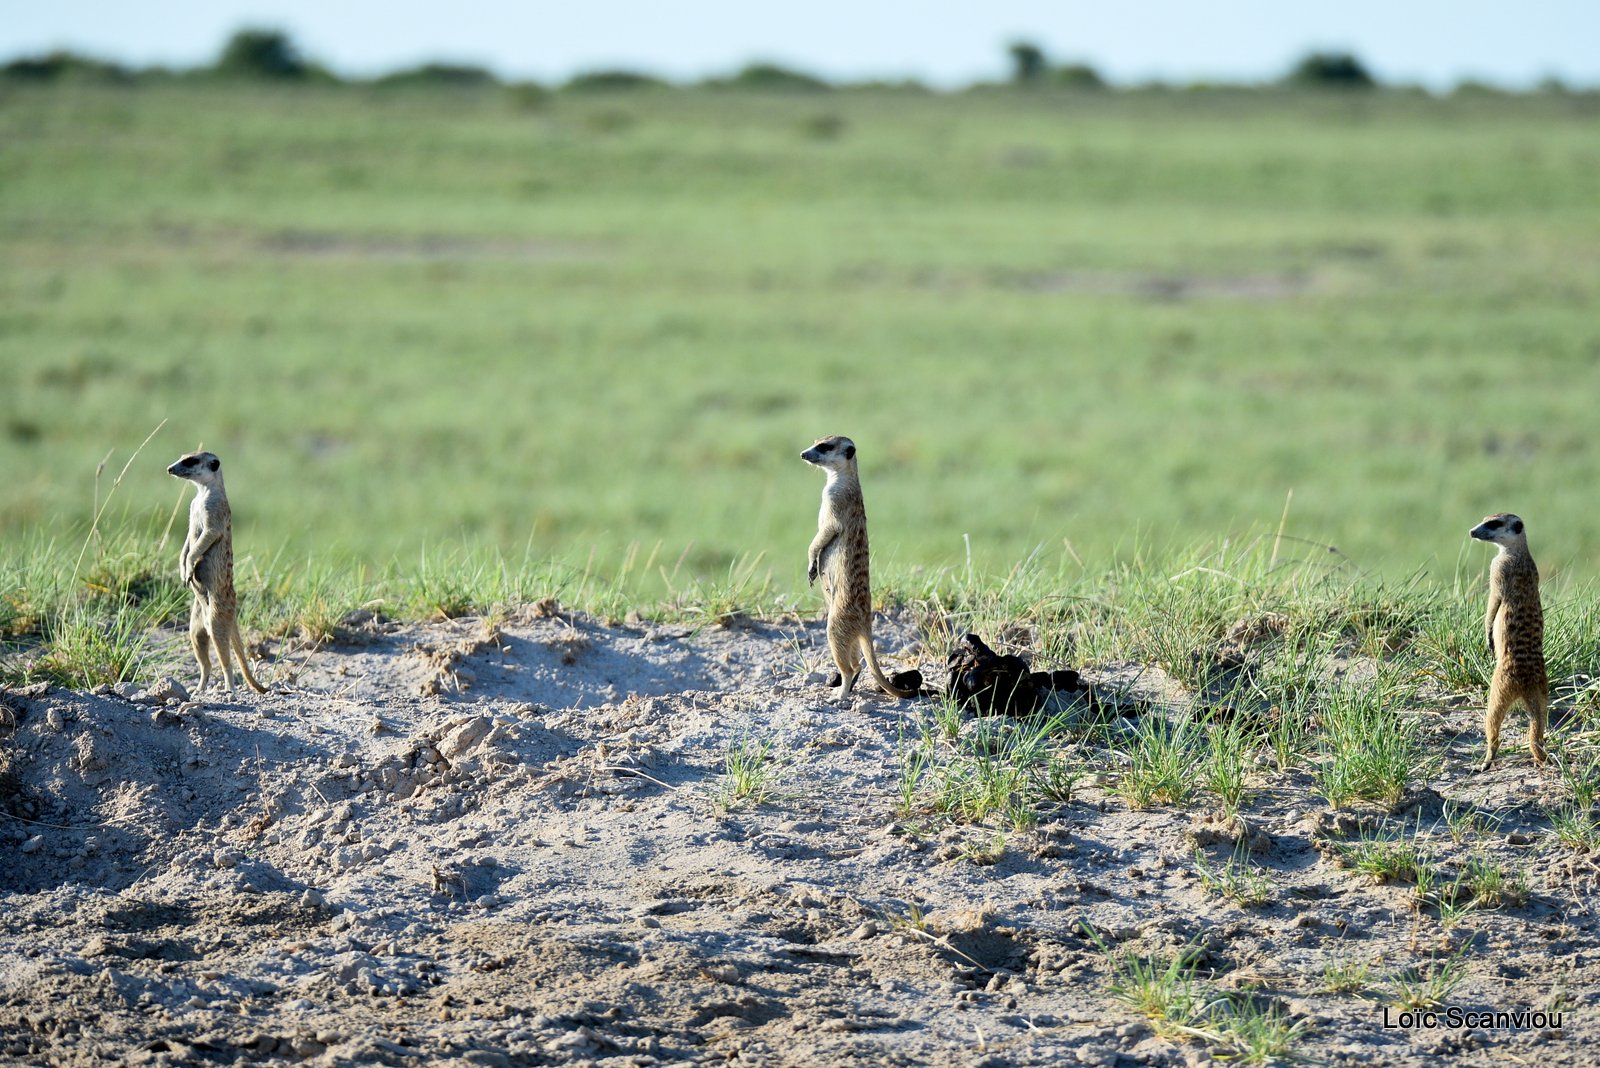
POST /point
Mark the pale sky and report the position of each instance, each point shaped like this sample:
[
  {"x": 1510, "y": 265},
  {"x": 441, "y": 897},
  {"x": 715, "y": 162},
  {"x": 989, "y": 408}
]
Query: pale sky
[{"x": 1432, "y": 42}]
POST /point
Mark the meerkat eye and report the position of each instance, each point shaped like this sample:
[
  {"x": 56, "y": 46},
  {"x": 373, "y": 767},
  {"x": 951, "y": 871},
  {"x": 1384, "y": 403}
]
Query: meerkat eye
[
  {"x": 1493, "y": 524},
  {"x": 826, "y": 446}
]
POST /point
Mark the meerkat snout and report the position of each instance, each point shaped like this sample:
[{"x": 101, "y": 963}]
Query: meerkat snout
[
  {"x": 196, "y": 467},
  {"x": 1500, "y": 529},
  {"x": 830, "y": 452}
]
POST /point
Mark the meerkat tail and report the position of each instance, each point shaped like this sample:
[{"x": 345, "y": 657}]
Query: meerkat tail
[
  {"x": 244, "y": 662},
  {"x": 877, "y": 672}
]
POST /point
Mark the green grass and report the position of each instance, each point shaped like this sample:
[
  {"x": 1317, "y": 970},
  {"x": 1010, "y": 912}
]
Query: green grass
[
  {"x": 1246, "y": 884},
  {"x": 1343, "y": 973},
  {"x": 1225, "y": 770},
  {"x": 1575, "y": 828},
  {"x": 750, "y": 775},
  {"x": 87, "y": 649},
  {"x": 1580, "y": 772},
  {"x": 1389, "y": 856},
  {"x": 1487, "y": 884},
  {"x": 1429, "y": 984},
  {"x": 1166, "y": 990},
  {"x": 602, "y": 329},
  {"x": 1163, "y": 761},
  {"x": 1182, "y": 1007},
  {"x": 990, "y": 767},
  {"x": 1372, "y": 750},
  {"x": 1454, "y": 890}
]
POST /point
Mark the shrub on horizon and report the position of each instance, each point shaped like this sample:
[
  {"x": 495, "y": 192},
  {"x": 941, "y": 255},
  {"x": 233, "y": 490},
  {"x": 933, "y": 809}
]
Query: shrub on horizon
[
  {"x": 1331, "y": 70},
  {"x": 613, "y": 80}
]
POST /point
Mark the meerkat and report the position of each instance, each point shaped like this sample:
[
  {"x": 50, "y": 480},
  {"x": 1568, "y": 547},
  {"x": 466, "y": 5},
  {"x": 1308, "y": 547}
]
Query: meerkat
[
  {"x": 1514, "y": 628},
  {"x": 839, "y": 555},
  {"x": 206, "y": 565}
]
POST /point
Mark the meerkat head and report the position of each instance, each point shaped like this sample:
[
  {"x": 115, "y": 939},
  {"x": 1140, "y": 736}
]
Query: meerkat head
[
  {"x": 200, "y": 467},
  {"x": 832, "y": 454},
  {"x": 1502, "y": 528}
]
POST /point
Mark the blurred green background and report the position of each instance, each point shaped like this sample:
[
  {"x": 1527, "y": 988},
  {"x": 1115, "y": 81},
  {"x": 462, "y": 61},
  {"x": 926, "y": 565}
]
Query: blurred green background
[{"x": 569, "y": 323}]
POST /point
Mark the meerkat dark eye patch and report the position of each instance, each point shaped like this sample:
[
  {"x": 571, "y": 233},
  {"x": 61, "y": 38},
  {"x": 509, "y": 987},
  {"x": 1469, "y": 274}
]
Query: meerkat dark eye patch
[
  {"x": 1493, "y": 524},
  {"x": 824, "y": 446}
]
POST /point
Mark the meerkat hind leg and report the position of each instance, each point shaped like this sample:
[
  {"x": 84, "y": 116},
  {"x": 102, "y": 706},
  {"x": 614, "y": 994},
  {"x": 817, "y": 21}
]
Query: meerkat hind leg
[
  {"x": 201, "y": 642},
  {"x": 1538, "y": 718},
  {"x": 1500, "y": 700},
  {"x": 221, "y": 626},
  {"x": 848, "y": 659}
]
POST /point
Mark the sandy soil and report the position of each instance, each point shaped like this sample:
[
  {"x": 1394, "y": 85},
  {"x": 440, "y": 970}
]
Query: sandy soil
[{"x": 505, "y": 845}]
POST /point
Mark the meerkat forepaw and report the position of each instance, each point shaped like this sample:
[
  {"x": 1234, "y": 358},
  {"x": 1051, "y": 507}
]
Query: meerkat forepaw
[{"x": 811, "y": 574}]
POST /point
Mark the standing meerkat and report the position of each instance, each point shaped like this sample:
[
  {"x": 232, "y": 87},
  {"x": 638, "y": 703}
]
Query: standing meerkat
[
  {"x": 839, "y": 555},
  {"x": 206, "y": 565},
  {"x": 1514, "y": 627}
]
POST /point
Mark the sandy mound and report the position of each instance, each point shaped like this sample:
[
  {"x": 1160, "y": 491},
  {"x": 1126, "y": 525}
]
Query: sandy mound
[{"x": 506, "y": 845}]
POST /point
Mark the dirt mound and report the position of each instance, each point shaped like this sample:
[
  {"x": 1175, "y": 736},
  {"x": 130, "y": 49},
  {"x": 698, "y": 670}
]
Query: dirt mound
[{"x": 519, "y": 844}]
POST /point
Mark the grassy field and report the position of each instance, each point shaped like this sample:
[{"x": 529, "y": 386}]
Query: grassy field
[
  {"x": 424, "y": 326},
  {"x": 1122, "y": 368}
]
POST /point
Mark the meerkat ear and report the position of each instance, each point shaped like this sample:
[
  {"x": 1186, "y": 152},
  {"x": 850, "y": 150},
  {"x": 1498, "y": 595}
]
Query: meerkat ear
[
  {"x": 215, "y": 464},
  {"x": 1516, "y": 528},
  {"x": 849, "y": 452}
]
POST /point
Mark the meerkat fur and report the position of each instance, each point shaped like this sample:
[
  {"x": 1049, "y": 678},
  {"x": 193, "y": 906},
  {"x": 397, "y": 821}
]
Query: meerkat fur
[
  {"x": 206, "y": 564},
  {"x": 1514, "y": 628},
  {"x": 839, "y": 556}
]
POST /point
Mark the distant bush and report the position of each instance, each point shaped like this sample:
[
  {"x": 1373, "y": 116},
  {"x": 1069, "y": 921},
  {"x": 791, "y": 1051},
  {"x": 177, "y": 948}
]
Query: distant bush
[
  {"x": 63, "y": 66},
  {"x": 1077, "y": 76},
  {"x": 1027, "y": 62},
  {"x": 888, "y": 85},
  {"x": 1030, "y": 66},
  {"x": 1474, "y": 87},
  {"x": 1331, "y": 70},
  {"x": 769, "y": 77},
  {"x": 456, "y": 75},
  {"x": 528, "y": 96},
  {"x": 613, "y": 80},
  {"x": 267, "y": 54}
]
